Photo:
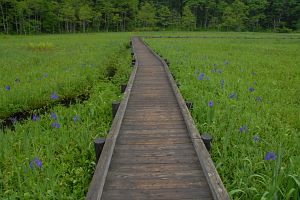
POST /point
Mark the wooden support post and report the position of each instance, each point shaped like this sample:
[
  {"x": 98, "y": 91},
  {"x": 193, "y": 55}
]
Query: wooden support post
[
  {"x": 115, "y": 107},
  {"x": 133, "y": 62},
  {"x": 168, "y": 62},
  {"x": 190, "y": 105},
  {"x": 207, "y": 139},
  {"x": 123, "y": 88},
  {"x": 98, "y": 144},
  {"x": 174, "y": 77}
]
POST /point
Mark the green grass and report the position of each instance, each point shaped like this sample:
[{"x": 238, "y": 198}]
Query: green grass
[
  {"x": 35, "y": 67},
  {"x": 270, "y": 113},
  {"x": 62, "y": 138}
]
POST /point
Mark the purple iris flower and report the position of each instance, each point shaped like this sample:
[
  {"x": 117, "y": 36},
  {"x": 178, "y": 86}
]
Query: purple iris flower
[
  {"x": 270, "y": 156},
  {"x": 13, "y": 120},
  {"x": 201, "y": 77},
  {"x": 244, "y": 129},
  {"x": 36, "y": 162},
  {"x": 256, "y": 138},
  {"x": 211, "y": 104},
  {"x": 35, "y": 117},
  {"x": 222, "y": 83},
  {"x": 251, "y": 89},
  {"x": 7, "y": 88},
  {"x": 259, "y": 99},
  {"x": 76, "y": 118},
  {"x": 55, "y": 125},
  {"x": 233, "y": 95},
  {"x": 54, "y": 95},
  {"x": 54, "y": 116}
]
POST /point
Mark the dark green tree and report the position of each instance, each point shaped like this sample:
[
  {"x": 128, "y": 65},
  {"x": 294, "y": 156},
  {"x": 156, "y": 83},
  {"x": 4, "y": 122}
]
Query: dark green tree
[
  {"x": 235, "y": 16},
  {"x": 188, "y": 21},
  {"x": 164, "y": 17},
  {"x": 146, "y": 15}
]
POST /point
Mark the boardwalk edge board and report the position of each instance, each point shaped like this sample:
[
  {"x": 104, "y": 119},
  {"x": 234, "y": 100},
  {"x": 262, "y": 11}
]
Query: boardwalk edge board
[
  {"x": 218, "y": 190},
  {"x": 99, "y": 177}
]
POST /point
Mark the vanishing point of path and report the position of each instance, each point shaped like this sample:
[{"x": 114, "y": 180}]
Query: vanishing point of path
[{"x": 153, "y": 155}]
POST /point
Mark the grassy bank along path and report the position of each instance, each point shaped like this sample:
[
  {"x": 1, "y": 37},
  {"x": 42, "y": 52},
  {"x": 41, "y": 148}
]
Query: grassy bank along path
[{"x": 246, "y": 94}]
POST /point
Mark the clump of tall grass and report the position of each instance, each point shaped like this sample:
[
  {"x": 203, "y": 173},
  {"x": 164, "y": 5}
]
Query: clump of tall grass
[{"x": 41, "y": 46}]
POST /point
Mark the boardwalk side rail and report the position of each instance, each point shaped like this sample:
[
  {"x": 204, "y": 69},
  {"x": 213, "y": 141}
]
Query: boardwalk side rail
[
  {"x": 218, "y": 190},
  {"x": 99, "y": 177}
]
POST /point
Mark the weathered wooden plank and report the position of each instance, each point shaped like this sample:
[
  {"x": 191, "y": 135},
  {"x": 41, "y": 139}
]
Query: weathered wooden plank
[
  {"x": 161, "y": 175},
  {"x": 151, "y": 141},
  {"x": 158, "y": 194},
  {"x": 153, "y": 147},
  {"x": 145, "y": 153},
  {"x": 155, "y": 183},
  {"x": 155, "y": 167},
  {"x": 153, "y": 127},
  {"x": 154, "y": 132}
]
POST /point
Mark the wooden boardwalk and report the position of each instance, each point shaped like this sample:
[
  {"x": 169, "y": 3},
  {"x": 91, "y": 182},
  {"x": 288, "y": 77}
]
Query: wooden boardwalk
[{"x": 150, "y": 152}]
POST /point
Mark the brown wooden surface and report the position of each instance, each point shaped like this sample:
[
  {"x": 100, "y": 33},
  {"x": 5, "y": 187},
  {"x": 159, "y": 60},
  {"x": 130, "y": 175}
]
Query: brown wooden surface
[
  {"x": 151, "y": 153},
  {"x": 154, "y": 157}
]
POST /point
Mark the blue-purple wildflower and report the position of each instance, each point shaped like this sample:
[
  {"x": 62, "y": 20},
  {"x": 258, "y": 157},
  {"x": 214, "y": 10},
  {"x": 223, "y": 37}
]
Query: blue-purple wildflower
[
  {"x": 54, "y": 116},
  {"x": 76, "y": 118},
  {"x": 46, "y": 75},
  {"x": 244, "y": 128},
  {"x": 222, "y": 83},
  {"x": 35, "y": 117},
  {"x": 55, "y": 125},
  {"x": 7, "y": 88},
  {"x": 256, "y": 138},
  {"x": 13, "y": 120},
  {"x": 270, "y": 156},
  {"x": 259, "y": 99},
  {"x": 226, "y": 62},
  {"x": 211, "y": 104},
  {"x": 201, "y": 77},
  {"x": 233, "y": 95},
  {"x": 36, "y": 162},
  {"x": 54, "y": 95},
  {"x": 251, "y": 89},
  {"x": 220, "y": 71}
]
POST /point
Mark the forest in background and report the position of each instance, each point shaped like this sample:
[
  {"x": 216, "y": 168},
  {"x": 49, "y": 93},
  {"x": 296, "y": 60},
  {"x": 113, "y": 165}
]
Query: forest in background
[{"x": 69, "y": 16}]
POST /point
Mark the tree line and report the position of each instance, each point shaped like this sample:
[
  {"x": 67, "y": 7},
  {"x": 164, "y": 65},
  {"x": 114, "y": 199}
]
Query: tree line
[{"x": 66, "y": 16}]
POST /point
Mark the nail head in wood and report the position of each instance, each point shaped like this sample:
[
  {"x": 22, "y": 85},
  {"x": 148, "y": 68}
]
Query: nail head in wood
[
  {"x": 207, "y": 140},
  {"x": 98, "y": 144},
  {"x": 115, "y": 107}
]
